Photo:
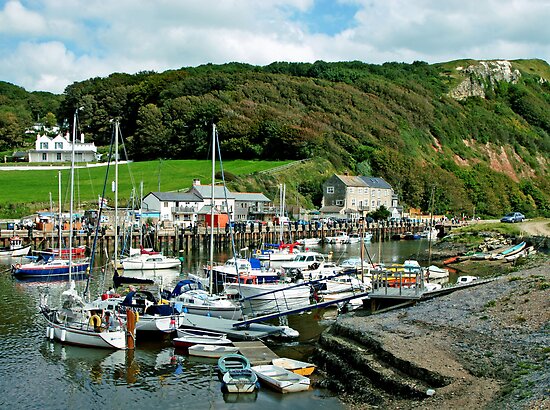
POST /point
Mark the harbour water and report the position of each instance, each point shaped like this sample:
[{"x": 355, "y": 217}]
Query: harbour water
[{"x": 38, "y": 373}]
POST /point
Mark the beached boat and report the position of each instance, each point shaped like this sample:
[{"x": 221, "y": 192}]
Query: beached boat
[
  {"x": 211, "y": 351},
  {"x": 462, "y": 280},
  {"x": 435, "y": 272},
  {"x": 510, "y": 251},
  {"x": 295, "y": 366},
  {"x": 190, "y": 337},
  {"x": 280, "y": 379}
]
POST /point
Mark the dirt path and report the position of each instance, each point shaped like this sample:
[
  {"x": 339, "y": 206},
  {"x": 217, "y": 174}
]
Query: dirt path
[{"x": 536, "y": 227}]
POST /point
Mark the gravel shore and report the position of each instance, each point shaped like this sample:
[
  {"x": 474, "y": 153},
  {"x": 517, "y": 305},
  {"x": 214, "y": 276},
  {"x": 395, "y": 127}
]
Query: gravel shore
[{"x": 491, "y": 341}]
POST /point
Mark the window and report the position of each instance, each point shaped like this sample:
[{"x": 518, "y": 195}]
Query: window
[
  {"x": 339, "y": 202},
  {"x": 59, "y": 156},
  {"x": 58, "y": 145},
  {"x": 351, "y": 190},
  {"x": 43, "y": 145},
  {"x": 330, "y": 190},
  {"x": 352, "y": 201},
  {"x": 44, "y": 157}
]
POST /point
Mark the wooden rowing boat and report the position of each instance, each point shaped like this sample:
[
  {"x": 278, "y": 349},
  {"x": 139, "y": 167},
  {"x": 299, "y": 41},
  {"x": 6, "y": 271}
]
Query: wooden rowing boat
[
  {"x": 295, "y": 366},
  {"x": 280, "y": 379}
]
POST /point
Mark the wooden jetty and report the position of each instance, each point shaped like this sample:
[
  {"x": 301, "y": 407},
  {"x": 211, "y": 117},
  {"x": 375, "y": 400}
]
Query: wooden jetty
[
  {"x": 385, "y": 296},
  {"x": 256, "y": 352},
  {"x": 173, "y": 240}
]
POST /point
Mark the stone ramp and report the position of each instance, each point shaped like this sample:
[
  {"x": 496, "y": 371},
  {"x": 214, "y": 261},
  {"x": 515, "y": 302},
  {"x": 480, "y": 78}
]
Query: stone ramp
[{"x": 362, "y": 367}]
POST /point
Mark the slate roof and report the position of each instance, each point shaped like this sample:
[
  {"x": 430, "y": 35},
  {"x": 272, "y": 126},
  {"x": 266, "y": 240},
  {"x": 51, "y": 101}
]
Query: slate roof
[
  {"x": 205, "y": 191},
  {"x": 176, "y": 196},
  {"x": 251, "y": 197}
]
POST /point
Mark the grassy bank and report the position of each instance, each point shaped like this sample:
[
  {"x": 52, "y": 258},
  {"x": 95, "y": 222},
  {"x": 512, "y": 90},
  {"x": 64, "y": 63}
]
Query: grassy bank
[{"x": 25, "y": 190}]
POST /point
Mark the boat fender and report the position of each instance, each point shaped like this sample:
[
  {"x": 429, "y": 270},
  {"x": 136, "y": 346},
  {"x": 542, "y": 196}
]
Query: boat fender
[
  {"x": 95, "y": 321},
  {"x": 258, "y": 252},
  {"x": 63, "y": 335},
  {"x": 137, "y": 316},
  {"x": 47, "y": 331},
  {"x": 52, "y": 333},
  {"x": 17, "y": 266}
]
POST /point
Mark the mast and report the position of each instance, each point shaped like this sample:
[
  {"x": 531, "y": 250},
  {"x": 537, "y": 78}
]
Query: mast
[
  {"x": 115, "y": 189},
  {"x": 211, "y": 284},
  {"x": 72, "y": 199},
  {"x": 59, "y": 213}
]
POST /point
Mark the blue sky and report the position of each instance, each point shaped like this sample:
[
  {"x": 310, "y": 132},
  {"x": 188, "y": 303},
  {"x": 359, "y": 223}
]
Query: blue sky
[{"x": 49, "y": 44}]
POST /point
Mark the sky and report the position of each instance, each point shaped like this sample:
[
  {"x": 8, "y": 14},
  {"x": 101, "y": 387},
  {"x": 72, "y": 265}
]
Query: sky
[{"x": 46, "y": 45}]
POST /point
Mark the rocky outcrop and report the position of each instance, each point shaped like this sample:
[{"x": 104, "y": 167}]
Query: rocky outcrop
[{"x": 483, "y": 75}]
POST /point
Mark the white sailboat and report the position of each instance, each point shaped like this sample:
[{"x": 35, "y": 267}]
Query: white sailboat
[{"x": 76, "y": 322}]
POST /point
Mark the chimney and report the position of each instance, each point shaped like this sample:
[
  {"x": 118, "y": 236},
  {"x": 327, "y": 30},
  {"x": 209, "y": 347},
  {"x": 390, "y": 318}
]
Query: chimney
[{"x": 196, "y": 182}]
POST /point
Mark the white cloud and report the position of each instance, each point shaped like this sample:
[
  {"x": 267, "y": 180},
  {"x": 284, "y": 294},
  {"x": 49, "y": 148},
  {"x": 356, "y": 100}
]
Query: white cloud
[{"x": 49, "y": 44}]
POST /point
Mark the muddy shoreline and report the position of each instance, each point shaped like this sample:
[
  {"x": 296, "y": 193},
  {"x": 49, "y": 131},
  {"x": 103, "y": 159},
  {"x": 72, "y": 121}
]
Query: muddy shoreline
[{"x": 485, "y": 347}]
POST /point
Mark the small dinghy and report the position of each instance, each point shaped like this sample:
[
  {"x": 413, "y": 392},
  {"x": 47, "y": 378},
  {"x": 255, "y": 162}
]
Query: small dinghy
[
  {"x": 240, "y": 381},
  {"x": 212, "y": 351},
  {"x": 295, "y": 366},
  {"x": 280, "y": 379},
  {"x": 232, "y": 362},
  {"x": 190, "y": 337}
]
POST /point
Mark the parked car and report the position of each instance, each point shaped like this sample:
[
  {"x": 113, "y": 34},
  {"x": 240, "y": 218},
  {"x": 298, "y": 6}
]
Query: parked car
[{"x": 513, "y": 217}]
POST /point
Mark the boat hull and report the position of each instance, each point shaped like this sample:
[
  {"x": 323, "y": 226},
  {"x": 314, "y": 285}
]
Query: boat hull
[
  {"x": 84, "y": 335},
  {"x": 48, "y": 270},
  {"x": 280, "y": 379},
  {"x": 211, "y": 351},
  {"x": 16, "y": 252},
  {"x": 240, "y": 381}
]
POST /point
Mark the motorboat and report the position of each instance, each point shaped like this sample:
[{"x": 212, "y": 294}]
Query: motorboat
[
  {"x": 357, "y": 237},
  {"x": 341, "y": 237},
  {"x": 150, "y": 262},
  {"x": 235, "y": 267},
  {"x": 304, "y": 260},
  {"x": 16, "y": 248},
  {"x": 190, "y": 299}
]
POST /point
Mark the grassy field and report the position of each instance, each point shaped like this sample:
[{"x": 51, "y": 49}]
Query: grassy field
[{"x": 28, "y": 187}]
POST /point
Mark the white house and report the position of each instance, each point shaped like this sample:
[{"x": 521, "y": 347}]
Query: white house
[
  {"x": 59, "y": 149},
  {"x": 188, "y": 208}
]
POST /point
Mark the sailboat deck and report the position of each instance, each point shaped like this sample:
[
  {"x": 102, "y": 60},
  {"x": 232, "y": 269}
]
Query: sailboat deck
[{"x": 251, "y": 331}]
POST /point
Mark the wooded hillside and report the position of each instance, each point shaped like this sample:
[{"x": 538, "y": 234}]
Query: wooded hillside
[{"x": 488, "y": 153}]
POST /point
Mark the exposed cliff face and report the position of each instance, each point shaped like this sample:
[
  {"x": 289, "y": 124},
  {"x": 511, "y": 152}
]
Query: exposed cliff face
[{"x": 483, "y": 75}]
